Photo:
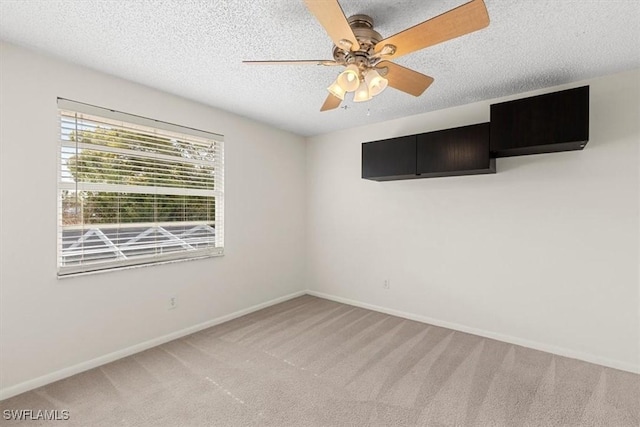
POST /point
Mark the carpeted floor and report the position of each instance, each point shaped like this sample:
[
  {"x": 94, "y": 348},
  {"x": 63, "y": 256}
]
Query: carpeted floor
[{"x": 310, "y": 362}]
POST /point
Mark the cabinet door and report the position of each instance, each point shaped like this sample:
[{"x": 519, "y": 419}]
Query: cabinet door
[
  {"x": 458, "y": 151},
  {"x": 389, "y": 159},
  {"x": 546, "y": 123}
]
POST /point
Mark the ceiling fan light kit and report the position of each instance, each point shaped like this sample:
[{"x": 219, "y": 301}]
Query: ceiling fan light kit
[
  {"x": 375, "y": 82},
  {"x": 362, "y": 94},
  {"x": 366, "y": 55},
  {"x": 349, "y": 79},
  {"x": 336, "y": 90}
]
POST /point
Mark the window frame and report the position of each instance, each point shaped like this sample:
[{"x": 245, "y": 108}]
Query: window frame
[{"x": 164, "y": 129}]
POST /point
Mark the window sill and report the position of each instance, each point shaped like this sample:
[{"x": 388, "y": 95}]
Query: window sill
[{"x": 135, "y": 266}]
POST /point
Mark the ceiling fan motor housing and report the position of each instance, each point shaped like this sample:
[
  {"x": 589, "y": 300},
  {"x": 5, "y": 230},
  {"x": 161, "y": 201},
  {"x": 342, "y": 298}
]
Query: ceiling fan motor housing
[{"x": 362, "y": 26}]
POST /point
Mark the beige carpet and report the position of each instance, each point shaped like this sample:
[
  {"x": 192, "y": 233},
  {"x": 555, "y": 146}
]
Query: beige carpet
[{"x": 310, "y": 362}]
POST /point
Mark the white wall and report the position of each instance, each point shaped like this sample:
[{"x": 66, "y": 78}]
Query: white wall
[
  {"x": 47, "y": 324},
  {"x": 543, "y": 253}
]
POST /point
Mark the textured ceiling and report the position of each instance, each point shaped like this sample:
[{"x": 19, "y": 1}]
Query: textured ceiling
[{"x": 194, "y": 48}]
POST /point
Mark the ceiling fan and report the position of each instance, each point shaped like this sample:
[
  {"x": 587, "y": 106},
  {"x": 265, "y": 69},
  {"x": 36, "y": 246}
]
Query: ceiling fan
[{"x": 365, "y": 54}]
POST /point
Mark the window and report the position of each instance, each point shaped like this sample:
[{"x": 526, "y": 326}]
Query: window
[{"x": 134, "y": 191}]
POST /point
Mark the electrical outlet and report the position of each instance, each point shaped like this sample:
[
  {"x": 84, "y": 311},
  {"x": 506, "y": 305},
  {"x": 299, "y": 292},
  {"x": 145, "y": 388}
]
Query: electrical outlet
[
  {"x": 386, "y": 284},
  {"x": 173, "y": 302}
]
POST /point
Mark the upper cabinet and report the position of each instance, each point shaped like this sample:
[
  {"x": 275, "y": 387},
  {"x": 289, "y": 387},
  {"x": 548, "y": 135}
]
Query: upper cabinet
[
  {"x": 541, "y": 124},
  {"x": 452, "y": 152},
  {"x": 547, "y": 123},
  {"x": 389, "y": 159}
]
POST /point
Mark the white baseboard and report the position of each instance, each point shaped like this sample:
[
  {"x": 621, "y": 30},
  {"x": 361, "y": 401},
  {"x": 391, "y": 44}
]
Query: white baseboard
[
  {"x": 560, "y": 351},
  {"x": 7, "y": 392}
]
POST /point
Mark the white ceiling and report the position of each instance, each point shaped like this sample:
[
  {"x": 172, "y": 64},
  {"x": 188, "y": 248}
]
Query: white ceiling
[{"x": 194, "y": 48}]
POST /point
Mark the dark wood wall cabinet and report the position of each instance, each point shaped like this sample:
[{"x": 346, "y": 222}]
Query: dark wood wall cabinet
[
  {"x": 540, "y": 124},
  {"x": 389, "y": 159},
  {"x": 450, "y": 152},
  {"x": 547, "y": 123}
]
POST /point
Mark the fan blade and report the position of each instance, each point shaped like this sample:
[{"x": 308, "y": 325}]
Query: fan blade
[
  {"x": 331, "y": 17},
  {"x": 330, "y": 103},
  {"x": 295, "y": 62},
  {"x": 404, "y": 79},
  {"x": 457, "y": 22}
]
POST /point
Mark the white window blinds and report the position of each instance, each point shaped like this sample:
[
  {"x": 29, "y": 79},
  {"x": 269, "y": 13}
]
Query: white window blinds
[{"x": 135, "y": 191}]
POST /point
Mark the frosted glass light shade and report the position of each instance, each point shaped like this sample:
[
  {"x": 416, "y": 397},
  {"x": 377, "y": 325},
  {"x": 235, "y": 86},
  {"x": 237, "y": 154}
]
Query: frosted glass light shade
[
  {"x": 362, "y": 93},
  {"x": 336, "y": 90},
  {"x": 375, "y": 82},
  {"x": 349, "y": 79}
]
